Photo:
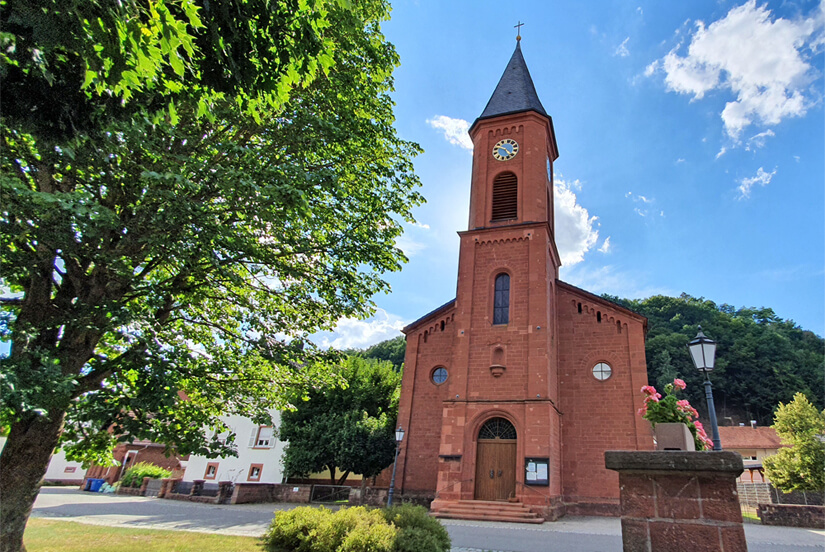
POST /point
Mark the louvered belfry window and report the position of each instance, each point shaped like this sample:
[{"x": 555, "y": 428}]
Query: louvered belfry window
[{"x": 505, "y": 197}]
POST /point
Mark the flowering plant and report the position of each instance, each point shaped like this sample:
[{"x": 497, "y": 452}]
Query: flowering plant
[{"x": 658, "y": 409}]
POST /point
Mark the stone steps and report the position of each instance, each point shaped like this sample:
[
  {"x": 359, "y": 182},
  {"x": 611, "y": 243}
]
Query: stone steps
[{"x": 483, "y": 510}]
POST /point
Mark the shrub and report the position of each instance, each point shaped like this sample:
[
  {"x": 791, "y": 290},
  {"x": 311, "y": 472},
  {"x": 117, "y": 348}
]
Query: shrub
[
  {"x": 417, "y": 530},
  {"x": 296, "y": 530},
  {"x": 133, "y": 477},
  {"x": 359, "y": 529}
]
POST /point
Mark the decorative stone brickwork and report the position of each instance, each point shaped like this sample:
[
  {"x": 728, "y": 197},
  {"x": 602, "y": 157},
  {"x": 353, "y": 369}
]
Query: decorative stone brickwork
[{"x": 679, "y": 500}]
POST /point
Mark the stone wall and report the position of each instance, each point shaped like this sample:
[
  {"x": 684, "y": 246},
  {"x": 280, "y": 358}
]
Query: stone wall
[
  {"x": 792, "y": 515},
  {"x": 671, "y": 498}
]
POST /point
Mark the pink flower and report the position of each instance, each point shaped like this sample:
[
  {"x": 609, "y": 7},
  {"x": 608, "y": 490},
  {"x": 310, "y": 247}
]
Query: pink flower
[
  {"x": 653, "y": 398},
  {"x": 642, "y": 411},
  {"x": 678, "y": 383},
  {"x": 649, "y": 390}
]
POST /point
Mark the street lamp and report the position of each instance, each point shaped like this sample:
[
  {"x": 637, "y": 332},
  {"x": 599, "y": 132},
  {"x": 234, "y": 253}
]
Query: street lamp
[
  {"x": 399, "y": 436},
  {"x": 703, "y": 352}
]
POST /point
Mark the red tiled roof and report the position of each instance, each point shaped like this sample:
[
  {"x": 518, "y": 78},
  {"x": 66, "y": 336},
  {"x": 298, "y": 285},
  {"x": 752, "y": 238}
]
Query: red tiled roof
[{"x": 746, "y": 437}]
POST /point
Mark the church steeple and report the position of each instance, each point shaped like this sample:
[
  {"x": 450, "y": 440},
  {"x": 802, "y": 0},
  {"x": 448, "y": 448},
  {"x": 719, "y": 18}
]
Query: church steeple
[{"x": 515, "y": 92}]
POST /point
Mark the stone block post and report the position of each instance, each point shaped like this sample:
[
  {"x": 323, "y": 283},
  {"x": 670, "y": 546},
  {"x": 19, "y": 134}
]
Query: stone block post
[
  {"x": 225, "y": 489},
  {"x": 143, "y": 486},
  {"x": 674, "y": 500},
  {"x": 197, "y": 487}
]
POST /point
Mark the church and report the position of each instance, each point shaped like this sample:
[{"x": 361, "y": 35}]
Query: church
[{"x": 513, "y": 391}]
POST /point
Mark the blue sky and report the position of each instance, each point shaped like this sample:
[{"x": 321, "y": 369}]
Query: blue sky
[{"x": 691, "y": 139}]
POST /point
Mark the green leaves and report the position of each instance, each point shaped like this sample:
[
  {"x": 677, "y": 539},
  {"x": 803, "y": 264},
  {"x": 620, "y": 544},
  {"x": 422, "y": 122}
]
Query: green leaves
[
  {"x": 350, "y": 428},
  {"x": 174, "y": 251},
  {"x": 801, "y": 466},
  {"x": 754, "y": 345}
]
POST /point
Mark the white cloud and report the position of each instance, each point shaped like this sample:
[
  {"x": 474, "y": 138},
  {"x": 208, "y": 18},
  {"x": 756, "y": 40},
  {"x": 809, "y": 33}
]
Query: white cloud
[
  {"x": 760, "y": 60},
  {"x": 455, "y": 130},
  {"x": 758, "y": 140},
  {"x": 644, "y": 200},
  {"x": 606, "y": 245},
  {"x": 608, "y": 279},
  {"x": 680, "y": 160},
  {"x": 621, "y": 49},
  {"x": 640, "y": 11},
  {"x": 575, "y": 228},
  {"x": 722, "y": 152},
  {"x": 409, "y": 246},
  {"x": 652, "y": 68},
  {"x": 352, "y": 333},
  {"x": 762, "y": 178}
]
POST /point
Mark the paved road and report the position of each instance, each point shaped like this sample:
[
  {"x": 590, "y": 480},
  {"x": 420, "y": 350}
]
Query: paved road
[{"x": 579, "y": 534}]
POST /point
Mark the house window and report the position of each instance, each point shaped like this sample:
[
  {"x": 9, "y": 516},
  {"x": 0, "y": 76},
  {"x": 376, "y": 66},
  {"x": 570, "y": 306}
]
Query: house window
[
  {"x": 602, "y": 371},
  {"x": 211, "y": 470},
  {"x": 501, "y": 304},
  {"x": 70, "y": 469},
  {"x": 255, "y": 472},
  {"x": 439, "y": 375},
  {"x": 264, "y": 437},
  {"x": 505, "y": 197}
]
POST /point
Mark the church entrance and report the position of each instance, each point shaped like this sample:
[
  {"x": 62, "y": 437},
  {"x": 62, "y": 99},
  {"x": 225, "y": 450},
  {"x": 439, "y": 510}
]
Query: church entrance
[{"x": 496, "y": 461}]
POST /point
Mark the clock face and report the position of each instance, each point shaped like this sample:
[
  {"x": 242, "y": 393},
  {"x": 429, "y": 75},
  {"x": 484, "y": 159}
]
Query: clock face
[{"x": 505, "y": 149}]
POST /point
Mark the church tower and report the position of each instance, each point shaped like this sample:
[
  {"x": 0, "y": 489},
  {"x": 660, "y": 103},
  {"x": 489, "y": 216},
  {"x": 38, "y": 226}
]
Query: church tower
[{"x": 483, "y": 390}]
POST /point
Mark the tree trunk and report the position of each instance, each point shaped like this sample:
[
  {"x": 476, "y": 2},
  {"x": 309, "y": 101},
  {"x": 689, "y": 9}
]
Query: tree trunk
[{"x": 23, "y": 463}]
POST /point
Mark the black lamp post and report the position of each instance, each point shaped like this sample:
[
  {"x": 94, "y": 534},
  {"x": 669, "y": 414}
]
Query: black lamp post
[
  {"x": 399, "y": 436},
  {"x": 703, "y": 352}
]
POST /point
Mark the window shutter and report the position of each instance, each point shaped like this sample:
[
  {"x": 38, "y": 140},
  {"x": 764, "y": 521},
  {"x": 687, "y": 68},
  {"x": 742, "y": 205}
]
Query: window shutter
[
  {"x": 505, "y": 197},
  {"x": 253, "y": 437}
]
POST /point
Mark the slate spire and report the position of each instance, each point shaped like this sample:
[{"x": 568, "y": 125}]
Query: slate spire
[{"x": 515, "y": 91}]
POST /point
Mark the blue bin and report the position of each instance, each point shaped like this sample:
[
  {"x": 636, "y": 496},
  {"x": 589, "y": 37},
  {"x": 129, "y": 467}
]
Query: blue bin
[{"x": 94, "y": 485}]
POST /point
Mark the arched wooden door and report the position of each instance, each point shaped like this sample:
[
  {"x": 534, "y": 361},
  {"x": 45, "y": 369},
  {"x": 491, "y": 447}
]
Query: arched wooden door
[{"x": 496, "y": 461}]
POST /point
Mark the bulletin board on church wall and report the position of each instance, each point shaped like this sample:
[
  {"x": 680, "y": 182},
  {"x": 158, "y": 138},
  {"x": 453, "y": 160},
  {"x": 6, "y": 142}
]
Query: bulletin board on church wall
[{"x": 537, "y": 471}]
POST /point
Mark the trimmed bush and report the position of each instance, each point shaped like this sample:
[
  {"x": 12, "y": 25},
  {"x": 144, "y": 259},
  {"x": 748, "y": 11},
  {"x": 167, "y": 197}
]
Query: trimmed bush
[
  {"x": 133, "y": 477},
  {"x": 359, "y": 529},
  {"x": 417, "y": 530}
]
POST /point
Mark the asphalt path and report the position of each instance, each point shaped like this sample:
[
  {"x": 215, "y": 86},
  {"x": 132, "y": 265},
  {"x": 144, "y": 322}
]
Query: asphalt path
[{"x": 570, "y": 534}]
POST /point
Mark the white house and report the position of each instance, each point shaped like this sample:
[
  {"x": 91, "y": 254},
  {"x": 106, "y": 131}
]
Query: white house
[
  {"x": 60, "y": 469},
  {"x": 259, "y": 457}
]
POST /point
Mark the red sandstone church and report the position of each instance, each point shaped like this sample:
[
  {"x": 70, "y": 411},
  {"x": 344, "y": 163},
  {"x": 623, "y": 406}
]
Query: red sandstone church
[{"x": 513, "y": 391}]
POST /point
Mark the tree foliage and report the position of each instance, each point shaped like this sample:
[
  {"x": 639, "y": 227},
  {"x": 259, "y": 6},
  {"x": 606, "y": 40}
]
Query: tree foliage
[
  {"x": 350, "y": 428},
  {"x": 169, "y": 238},
  {"x": 392, "y": 350},
  {"x": 761, "y": 359},
  {"x": 801, "y": 466}
]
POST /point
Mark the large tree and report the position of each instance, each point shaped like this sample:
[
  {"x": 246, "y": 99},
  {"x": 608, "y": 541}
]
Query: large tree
[
  {"x": 800, "y": 466},
  {"x": 163, "y": 263},
  {"x": 350, "y": 429}
]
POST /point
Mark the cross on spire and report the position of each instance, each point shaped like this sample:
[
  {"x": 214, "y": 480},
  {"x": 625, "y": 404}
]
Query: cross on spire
[{"x": 518, "y": 32}]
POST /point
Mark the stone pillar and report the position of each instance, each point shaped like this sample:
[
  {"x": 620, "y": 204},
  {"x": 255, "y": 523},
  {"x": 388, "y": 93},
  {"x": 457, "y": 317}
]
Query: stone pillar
[
  {"x": 225, "y": 489},
  {"x": 674, "y": 500},
  {"x": 143, "y": 486},
  {"x": 197, "y": 487}
]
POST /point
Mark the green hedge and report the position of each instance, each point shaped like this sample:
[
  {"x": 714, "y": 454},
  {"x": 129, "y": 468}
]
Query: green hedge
[
  {"x": 133, "y": 477},
  {"x": 398, "y": 529}
]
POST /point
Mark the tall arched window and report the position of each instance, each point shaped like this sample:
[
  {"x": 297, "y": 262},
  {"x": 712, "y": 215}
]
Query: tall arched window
[
  {"x": 501, "y": 304},
  {"x": 505, "y": 197}
]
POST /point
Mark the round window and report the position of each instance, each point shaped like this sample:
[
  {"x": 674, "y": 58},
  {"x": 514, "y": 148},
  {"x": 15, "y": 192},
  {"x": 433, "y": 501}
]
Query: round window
[
  {"x": 602, "y": 371},
  {"x": 439, "y": 375}
]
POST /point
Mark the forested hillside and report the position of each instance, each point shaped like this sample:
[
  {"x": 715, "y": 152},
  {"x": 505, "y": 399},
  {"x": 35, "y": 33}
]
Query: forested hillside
[{"x": 762, "y": 360}]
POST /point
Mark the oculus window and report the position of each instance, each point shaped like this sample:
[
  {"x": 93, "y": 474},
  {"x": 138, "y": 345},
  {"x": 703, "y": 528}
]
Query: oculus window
[
  {"x": 602, "y": 371},
  {"x": 439, "y": 375}
]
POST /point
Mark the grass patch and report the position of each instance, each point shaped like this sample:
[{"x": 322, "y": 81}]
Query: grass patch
[{"x": 44, "y": 535}]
